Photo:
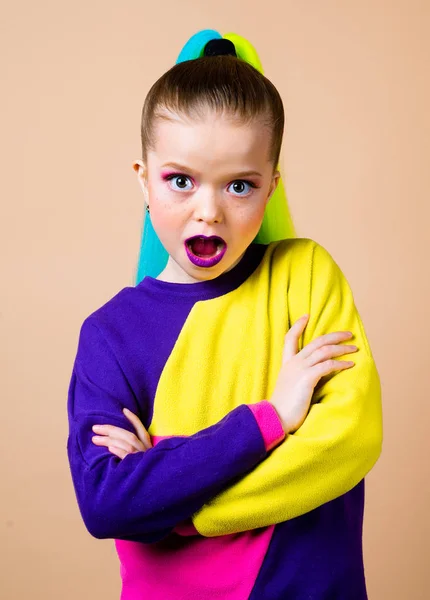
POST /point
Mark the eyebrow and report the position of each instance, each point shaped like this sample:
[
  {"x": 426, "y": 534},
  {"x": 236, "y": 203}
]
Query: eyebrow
[{"x": 187, "y": 169}]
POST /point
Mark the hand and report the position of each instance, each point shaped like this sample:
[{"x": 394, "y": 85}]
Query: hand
[
  {"x": 301, "y": 371},
  {"x": 122, "y": 442}
]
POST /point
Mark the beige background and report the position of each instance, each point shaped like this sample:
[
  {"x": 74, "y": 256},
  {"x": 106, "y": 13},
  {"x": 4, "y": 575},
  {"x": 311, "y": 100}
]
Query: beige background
[{"x": 355, "y": 80}]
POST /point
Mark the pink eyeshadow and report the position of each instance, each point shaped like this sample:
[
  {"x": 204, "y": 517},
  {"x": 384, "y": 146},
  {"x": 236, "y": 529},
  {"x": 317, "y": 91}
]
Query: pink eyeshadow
[{"x": 166, "y": 174}]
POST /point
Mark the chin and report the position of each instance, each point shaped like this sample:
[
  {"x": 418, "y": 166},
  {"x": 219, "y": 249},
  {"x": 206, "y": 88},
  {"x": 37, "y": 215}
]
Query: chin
[{"x": 205, "y": 274}]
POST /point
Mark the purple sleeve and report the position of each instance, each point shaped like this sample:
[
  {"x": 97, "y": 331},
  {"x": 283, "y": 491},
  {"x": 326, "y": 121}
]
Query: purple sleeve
[{"x": 143, "y": 496}]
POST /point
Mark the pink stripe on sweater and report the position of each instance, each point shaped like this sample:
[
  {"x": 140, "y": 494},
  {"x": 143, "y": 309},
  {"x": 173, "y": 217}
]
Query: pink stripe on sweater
[
  {"x": 269, "y": 422},
  {"x": 218, "y": 568}
]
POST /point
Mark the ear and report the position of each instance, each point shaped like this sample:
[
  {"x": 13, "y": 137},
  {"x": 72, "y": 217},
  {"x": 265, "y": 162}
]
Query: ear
[
  {"x": 273, "y": 185},
  {"x": 142, "y": 177}
]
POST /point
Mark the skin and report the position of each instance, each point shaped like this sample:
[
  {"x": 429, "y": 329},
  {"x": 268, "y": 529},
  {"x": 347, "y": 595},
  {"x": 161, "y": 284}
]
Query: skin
[
  {"x": 215, "y": 150},
  {"x": 211, "y": 196}
]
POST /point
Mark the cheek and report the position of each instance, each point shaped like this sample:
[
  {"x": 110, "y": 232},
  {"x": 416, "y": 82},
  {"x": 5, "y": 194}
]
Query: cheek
[
  {"x": 165, "y": 216},
  {"x": 161, "y": 217},
  {"x": 250, "y": 218},
  {"x": 157, "y": 201}
]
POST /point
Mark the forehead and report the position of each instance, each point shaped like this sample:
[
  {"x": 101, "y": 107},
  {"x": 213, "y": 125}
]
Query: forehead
[{"x": 212, "y": 141}]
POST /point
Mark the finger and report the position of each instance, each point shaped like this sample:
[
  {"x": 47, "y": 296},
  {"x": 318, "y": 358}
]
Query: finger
[
  {"x": 329, "y": 338},
  {"x": 329, "y": 351},
  {"x": 327, "y": 367},
  {"x": 292, "y": 338},
  {"x": 118, "y": 452},
  {"x": 107, "y": 441},
  {"x": 141, "y": 432},
  {"x": 118, "y": 433}
]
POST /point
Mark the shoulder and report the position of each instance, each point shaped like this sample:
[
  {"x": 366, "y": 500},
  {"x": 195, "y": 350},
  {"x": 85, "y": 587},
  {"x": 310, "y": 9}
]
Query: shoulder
[
  {"x": 114, "y": 315},
  {"x": 300, "y": 246},
  {"x": 303, "y": 266},
  {"x": 303, "y": 253}
]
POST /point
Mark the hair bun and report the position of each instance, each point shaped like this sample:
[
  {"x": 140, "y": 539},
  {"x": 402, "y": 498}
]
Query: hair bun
[{"x": 219, "y": 47}]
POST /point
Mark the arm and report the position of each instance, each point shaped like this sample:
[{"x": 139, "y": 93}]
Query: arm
[
  {"x": 338, "y": 443},
  {"x": 143, "y": 497}
]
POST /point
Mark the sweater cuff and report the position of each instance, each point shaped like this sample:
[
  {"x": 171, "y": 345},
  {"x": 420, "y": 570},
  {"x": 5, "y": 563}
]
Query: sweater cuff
[{"x": 269, "y": 423}]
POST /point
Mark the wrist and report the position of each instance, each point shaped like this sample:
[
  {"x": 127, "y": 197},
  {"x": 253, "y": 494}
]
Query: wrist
[{"x": 286, "y": 424}]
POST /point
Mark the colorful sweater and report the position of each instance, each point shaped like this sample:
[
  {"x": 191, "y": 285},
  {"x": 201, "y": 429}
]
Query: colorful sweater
[{"x": 225, "y": 505}]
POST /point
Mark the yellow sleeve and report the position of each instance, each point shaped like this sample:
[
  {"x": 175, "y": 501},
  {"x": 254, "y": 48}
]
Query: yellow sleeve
[{"x": 338, "y": 443}]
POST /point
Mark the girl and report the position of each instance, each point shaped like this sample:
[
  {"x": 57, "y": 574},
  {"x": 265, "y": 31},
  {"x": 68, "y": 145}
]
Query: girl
[{"x": 225, "y": 456}]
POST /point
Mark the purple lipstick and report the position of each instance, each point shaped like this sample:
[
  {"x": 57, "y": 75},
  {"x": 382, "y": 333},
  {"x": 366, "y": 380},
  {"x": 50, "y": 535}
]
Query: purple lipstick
[{"x": 205, "y": 251}]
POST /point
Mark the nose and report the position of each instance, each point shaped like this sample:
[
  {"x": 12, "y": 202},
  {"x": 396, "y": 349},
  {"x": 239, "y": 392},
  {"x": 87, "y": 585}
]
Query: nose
[{"x": 208, "y": 207}]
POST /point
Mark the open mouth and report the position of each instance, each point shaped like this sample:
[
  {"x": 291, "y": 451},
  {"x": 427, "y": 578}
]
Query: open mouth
[{"x": 205, "y": 247}]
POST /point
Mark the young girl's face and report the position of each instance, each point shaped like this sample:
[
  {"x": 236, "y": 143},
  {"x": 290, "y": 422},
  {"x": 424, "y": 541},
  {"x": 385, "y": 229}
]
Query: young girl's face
[{"x": 210, "y": 177}]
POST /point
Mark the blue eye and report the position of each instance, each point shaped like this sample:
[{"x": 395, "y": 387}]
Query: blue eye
[
  {"x": 181, "y": 181},
  {"x": 240, "y": 186}
]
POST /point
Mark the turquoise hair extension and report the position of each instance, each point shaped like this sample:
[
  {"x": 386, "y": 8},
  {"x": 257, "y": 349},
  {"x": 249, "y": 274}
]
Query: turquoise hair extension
[
  {"x": 196, "y": 44},
  {"x": 277, "y": 223}
]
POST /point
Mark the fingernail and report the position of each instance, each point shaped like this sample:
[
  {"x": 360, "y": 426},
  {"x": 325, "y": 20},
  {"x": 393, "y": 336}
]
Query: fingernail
[{"x": 125, "y": 410}]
